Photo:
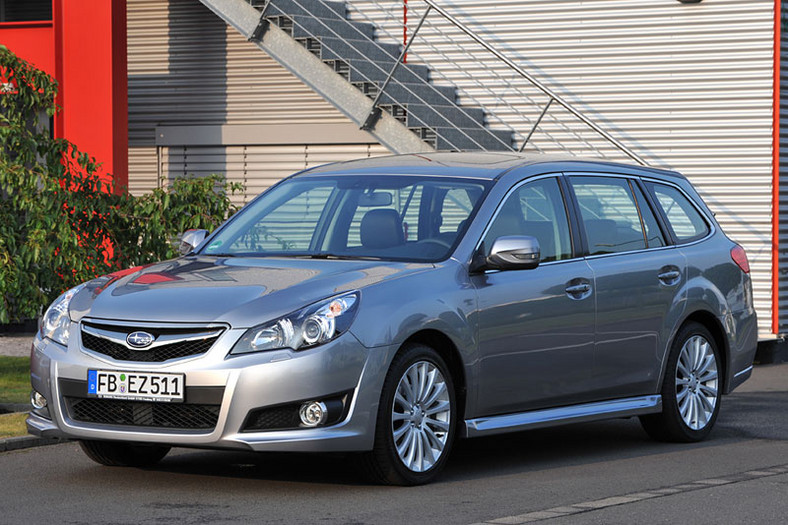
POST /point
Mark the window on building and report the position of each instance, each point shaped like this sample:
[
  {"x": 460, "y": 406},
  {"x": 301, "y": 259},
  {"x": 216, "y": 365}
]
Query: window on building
[{"x": 25, "y": 10}]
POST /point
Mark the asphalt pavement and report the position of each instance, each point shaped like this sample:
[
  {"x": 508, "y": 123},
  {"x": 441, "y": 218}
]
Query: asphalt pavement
[
  {"x": 605, "y": 472},
  {"x": 16, "y": 344}
]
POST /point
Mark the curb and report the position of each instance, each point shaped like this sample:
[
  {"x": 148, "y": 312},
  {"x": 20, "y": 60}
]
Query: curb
[
  {"x": 772, "y": 352},
  {"x": 10, "y": 408},
  {"x": 21, "y": 442}
]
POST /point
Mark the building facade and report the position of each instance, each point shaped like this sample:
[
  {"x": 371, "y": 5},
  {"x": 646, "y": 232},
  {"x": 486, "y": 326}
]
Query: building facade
[{"x": 689, "y": 86}]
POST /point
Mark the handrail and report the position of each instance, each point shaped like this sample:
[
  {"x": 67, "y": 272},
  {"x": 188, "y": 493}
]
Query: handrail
[
  {"x": 390, "y": 78},
  {"x": 536, "y": 83}
]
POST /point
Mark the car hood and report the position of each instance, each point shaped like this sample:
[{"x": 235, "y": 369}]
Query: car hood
[{"x": 240, "y": 291}]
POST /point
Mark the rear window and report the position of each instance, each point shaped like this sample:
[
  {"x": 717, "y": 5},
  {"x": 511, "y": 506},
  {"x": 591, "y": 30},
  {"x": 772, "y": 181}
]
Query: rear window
[{"x": 684, "y": 219}]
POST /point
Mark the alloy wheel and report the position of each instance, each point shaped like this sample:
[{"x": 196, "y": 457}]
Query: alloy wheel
[
  {"x": 421, "y": 416},
  {"x": 697, "y": 382}
]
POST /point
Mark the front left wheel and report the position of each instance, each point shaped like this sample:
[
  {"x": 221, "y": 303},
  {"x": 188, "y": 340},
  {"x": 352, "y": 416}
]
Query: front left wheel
[{"x": 416, "y": 419}]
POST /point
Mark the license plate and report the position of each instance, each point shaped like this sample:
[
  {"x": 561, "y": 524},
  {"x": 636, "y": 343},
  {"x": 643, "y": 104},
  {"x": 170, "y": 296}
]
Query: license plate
[{"x": 136, "y": 386}]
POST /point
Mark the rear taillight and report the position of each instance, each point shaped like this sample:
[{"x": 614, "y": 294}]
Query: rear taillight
[{"x": 739, "y": 256}]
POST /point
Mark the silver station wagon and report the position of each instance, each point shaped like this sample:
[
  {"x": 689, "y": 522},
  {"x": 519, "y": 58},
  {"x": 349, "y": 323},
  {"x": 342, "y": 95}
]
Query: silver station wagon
[{"x": 389, "y": 306}]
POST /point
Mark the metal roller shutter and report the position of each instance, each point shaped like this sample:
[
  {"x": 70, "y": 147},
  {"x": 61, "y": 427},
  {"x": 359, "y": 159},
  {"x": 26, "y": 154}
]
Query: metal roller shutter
[
  {"x": 687, "y": 86},
  {"x": 257, "y": 166}
]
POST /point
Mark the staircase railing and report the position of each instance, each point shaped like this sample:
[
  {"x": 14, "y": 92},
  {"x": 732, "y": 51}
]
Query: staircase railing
[
  {"x": 419, "y": 94},
  {"x": 437, "y": 37}
]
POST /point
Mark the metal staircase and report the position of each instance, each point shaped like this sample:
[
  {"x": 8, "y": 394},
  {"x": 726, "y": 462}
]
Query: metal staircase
[{"x": 369, "y": 80}]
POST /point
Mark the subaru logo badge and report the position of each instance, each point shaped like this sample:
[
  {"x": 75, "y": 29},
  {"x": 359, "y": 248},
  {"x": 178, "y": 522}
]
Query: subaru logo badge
[{"x": 139, "y": 339}]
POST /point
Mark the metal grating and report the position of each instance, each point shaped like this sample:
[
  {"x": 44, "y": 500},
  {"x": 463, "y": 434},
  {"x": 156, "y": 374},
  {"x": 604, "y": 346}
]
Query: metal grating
[
  {"x": 278, "y": 418},
  {"x": 141, "y": 414},
  {"x": 162, "y": 353}
]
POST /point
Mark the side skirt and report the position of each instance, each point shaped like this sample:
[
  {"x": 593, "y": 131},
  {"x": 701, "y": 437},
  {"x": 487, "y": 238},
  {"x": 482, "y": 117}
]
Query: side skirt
[{"x": 632, "y": 406}]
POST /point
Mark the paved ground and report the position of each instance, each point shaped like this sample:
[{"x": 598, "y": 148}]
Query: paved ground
[
  {"x": 16, "y": 344},
  {"x": 590, "y": 473}
]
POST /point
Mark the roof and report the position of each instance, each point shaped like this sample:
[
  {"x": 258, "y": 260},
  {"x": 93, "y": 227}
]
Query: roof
[{"x": 478, "y": 164}]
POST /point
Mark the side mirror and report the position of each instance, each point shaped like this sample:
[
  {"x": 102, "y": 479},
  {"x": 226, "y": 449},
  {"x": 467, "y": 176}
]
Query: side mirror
[
  {"x": 191, "y": 239},
  {"x": 513, "y": 253}
]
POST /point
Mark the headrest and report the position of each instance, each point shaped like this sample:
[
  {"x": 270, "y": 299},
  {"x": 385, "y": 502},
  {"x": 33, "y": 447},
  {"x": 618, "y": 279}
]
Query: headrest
[{"x": 381, "y": 228}]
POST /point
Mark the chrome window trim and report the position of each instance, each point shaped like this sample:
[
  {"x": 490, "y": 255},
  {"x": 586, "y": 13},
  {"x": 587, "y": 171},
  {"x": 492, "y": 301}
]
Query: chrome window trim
[
  {"x": 712, "y": 226},
  {"x": 709, "y": 222}
]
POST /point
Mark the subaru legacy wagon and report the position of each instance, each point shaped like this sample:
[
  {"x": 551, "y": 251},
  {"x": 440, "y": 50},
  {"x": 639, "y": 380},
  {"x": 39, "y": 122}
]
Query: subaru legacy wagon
[{"x": 389, "y": 306}]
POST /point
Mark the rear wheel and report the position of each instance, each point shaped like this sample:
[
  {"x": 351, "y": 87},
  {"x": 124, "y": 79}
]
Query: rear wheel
[
  {"x": 691, "y": 390},
  {"x": 120, "y": 454},
  {"x": 416, "y": 419}
]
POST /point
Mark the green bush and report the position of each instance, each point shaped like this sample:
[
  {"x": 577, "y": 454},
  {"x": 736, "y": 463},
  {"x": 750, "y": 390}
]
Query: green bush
[{"x": 60, "y": 223}]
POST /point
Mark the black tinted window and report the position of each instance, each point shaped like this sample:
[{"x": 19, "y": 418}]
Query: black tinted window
[
  {"x": 684, "y": 219},
  {"x": 535, "y": 209},
  {"x": 654, "y": 235}
]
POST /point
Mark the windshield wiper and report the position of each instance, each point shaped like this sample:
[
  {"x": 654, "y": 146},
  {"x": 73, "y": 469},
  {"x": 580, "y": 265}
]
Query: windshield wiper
[{"x": 324, "y": 255}]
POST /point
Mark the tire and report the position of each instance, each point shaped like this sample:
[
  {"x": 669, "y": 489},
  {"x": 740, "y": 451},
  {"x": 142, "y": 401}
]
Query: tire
[
  {"x": 424, "y": 434},
  {"x": 691, "y": 390},
  {"x": 120, "y": 454}
]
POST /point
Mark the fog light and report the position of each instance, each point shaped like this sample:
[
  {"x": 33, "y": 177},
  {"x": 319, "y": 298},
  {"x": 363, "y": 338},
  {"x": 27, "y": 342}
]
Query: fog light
[
  {"x": 313, "y": 413},
  {"x": 38, "y": 401}
]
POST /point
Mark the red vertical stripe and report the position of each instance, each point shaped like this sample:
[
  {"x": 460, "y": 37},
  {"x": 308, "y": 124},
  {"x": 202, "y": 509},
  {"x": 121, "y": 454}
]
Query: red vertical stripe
[{"x": 776, "y": 171}]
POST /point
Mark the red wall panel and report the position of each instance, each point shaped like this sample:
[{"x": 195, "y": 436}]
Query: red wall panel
[
  {"x": 32, "y": 41},
  {"x": 84, "y": 48}
]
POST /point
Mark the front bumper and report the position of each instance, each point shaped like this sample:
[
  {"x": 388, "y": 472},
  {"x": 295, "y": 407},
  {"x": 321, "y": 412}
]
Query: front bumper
[{"x": 244, "y": 382}]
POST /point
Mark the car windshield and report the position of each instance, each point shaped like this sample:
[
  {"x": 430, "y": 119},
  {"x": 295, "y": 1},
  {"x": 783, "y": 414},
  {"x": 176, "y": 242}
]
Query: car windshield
[{"x": 388, "y": 217}]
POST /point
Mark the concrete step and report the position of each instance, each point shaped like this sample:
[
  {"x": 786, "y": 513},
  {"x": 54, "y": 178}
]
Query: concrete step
[
  {"x": 420, "y": 115},
  {"x": 324, "y": 9},
  {"x": 365, "y": 71},
  {"x": 404, "y": 93},
  {"x": 472, "y": 139},
  {"x": 311, "y": 26}
]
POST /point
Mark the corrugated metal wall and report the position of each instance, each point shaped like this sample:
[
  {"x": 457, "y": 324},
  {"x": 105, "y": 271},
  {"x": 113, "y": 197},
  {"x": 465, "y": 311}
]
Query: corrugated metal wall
[
  {"x": 258, "y": 167},
  {"x": 187, "y": 67},
  {"x": 686, "y": 86}
]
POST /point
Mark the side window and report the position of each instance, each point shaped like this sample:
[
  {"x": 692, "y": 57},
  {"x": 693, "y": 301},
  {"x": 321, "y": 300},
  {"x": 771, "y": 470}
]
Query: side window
[
  {"x": 535, "y": 209},
  {"x": 684, "y": 219},
  {"x": 609, "y": 214}
]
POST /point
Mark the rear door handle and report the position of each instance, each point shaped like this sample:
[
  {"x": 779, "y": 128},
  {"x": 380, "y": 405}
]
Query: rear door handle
[{"x": 669, "y": 277}]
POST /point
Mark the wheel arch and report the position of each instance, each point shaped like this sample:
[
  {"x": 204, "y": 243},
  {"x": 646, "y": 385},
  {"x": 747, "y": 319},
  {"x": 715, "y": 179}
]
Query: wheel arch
[
  {"x": 442, "y": 343},
  {"x": 713, "y": 325}
]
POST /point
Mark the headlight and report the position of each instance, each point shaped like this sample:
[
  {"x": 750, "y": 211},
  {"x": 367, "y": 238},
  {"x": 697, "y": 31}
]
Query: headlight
[
  {"x": 311, "y": 326},
  {"x": 56, "y": 323}
]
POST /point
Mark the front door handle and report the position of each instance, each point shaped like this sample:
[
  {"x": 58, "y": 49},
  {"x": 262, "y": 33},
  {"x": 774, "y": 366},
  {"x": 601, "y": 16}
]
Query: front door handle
[{"x": 578, "y": 289}]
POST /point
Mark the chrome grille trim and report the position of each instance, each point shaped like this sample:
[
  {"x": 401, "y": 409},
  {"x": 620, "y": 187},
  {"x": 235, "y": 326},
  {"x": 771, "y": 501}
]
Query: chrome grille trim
[{"x": 172, "y": 340}]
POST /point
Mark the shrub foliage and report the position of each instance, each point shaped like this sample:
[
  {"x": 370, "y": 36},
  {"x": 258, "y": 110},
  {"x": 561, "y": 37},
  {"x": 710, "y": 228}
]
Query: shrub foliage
[{"x": 61, "y": 223}]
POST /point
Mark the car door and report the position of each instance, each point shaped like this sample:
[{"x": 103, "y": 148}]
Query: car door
[
  {"x": 636, "y": 278},
  {"x": 536, "y": 327}
]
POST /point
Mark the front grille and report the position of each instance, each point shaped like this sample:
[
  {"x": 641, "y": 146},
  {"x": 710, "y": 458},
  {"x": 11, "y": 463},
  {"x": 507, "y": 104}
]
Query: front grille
[
  {"x": 175, "y": 416},
  {"x": 165, "y": 352}
]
